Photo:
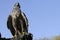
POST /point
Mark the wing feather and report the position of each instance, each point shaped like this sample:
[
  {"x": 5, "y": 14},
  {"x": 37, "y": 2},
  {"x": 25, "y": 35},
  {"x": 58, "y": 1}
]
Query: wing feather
[
  {"x": 10, "y": 26},
  {"x": 25, "y": 18}
]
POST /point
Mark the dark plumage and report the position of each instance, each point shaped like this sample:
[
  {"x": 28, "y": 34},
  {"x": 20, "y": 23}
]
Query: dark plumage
[
  {"x": 17, "y": 21},
  {"x": 10, "y": 26}
]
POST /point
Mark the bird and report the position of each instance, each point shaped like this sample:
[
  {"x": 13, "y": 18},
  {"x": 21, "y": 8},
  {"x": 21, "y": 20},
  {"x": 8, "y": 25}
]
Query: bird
[{"x": 17, "y": 21}]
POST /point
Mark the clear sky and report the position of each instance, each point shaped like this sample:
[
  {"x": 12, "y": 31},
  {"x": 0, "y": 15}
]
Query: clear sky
[{"x": 43, "y": 16}]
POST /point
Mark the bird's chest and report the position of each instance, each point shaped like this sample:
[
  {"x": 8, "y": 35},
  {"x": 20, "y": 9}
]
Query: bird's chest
[{"x": 15, "y": 15}]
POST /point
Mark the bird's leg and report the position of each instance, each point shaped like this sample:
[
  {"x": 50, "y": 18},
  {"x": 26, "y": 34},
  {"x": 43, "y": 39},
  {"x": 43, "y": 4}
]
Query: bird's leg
[
  {"x": 19, "y": 33},
  {"x": 22, "y": 29},
  {"x": 14, "y": 25},
  {"x": 15, "y": 32},
  {"x": 22, "y": 26}
]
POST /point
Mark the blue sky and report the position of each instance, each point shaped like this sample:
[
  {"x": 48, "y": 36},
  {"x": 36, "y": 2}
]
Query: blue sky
[{"x": 43, "y": 16}]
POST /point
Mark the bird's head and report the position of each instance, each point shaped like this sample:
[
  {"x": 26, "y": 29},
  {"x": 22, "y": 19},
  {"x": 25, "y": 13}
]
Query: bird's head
[{"x": 17, "y": 5}]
